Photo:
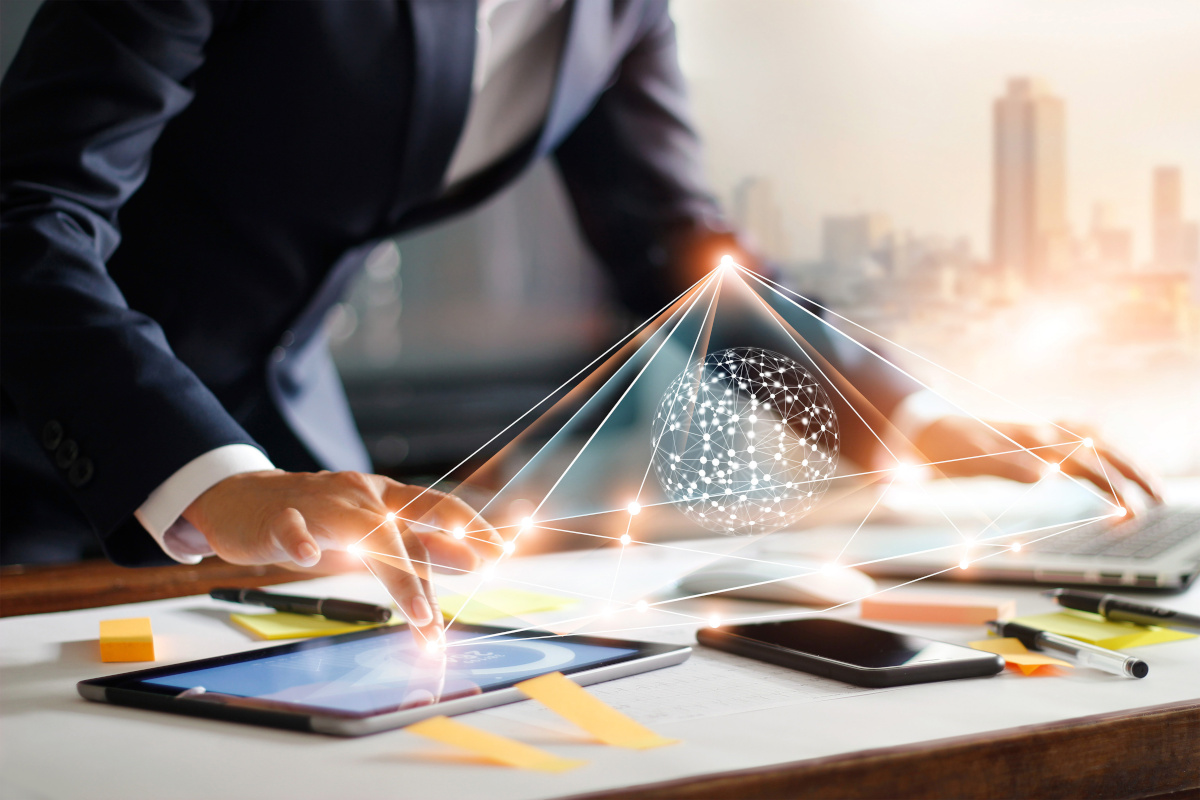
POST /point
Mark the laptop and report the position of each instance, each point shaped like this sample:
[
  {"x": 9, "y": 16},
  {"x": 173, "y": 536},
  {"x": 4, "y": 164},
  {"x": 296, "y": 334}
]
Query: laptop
[{"x": 1157, "y": 549}]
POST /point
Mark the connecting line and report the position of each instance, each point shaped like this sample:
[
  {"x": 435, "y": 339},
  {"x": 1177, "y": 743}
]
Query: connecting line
[
  {"x": 407, "y": 619},
  {"x": 683, "y": 315},
  {"x": 874, "y": 505},
  {"x": 780, "y": 614},
  {"x": 536, "y": 405},
  {"x": 772, "y": 285},
  {"x": 773, "y": 315},
  {"x": 780, "y": 289},
  {"x": 700, "y": 332},
  {"x": 1104, "y": 471},
  {"x": 1046, "y": 474}
]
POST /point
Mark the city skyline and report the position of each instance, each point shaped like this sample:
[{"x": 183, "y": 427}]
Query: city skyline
[{"x": 871, "y": 106}]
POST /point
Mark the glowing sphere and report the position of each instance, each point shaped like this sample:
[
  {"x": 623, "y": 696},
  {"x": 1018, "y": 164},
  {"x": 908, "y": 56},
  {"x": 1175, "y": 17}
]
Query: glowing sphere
[{"x": 745, "y": 441}]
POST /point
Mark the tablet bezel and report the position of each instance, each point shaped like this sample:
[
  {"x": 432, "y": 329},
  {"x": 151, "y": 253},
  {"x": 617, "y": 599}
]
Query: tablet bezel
[{"x": 130, "y": 689}]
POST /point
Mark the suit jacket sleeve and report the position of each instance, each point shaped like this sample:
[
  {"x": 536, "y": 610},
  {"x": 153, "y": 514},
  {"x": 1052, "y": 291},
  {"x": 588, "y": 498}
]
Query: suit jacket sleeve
[
  {"x": 83, "y": 103},
  {"x": 633, "y": 170}
]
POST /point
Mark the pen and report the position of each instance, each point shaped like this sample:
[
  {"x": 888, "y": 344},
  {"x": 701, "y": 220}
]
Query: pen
[
  {"x": 1120, "y": 610},
  {"x": 341, "y": 610},
  {"x": 1082, "y": 653}
]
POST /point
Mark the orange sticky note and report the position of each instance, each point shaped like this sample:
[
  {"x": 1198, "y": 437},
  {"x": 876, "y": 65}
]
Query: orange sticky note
[
  {"x": 491, "y": 746},
  {"x": 126, "y": 639},
  {"x": 570, "y": 701},
  {"x": 1016, "y": 655},
  {"x": 949, "y": 609}
]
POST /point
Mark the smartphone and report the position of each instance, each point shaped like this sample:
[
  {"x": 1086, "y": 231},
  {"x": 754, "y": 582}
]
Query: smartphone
[{"x": 852, "y": 653}]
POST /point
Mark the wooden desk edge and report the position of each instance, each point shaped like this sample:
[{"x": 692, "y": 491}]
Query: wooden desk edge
[{"x": 1137, "y": 753}]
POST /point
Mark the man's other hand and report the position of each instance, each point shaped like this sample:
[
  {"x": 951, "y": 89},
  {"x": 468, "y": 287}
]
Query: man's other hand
[
  {"x": 952, "y": 437},
  {"x": 275, "y": 516}
]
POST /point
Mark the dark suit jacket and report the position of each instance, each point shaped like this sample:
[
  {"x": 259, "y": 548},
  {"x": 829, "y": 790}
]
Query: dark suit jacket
[{"x": 245, "y": 156}]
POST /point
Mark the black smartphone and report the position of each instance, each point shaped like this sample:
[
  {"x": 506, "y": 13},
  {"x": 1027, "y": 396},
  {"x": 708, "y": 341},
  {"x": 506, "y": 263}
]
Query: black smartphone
[{"x": 852, "y": 653}]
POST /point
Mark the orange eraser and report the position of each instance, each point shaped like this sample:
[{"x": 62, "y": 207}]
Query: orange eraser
[
  {"x": 126, "y": 640},
  {"x": 950, "y": 609}
]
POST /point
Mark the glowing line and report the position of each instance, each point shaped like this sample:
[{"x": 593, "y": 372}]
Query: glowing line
[{"x": 874, "y": 505}]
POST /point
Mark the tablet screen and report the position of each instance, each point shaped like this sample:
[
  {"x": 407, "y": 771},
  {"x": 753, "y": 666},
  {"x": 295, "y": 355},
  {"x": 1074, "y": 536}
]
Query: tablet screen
[{"x": 390, "y": 672}]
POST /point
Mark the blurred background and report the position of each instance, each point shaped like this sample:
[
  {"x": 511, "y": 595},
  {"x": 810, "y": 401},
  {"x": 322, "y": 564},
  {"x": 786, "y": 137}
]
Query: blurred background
[{"x": 1010, "y": 188}]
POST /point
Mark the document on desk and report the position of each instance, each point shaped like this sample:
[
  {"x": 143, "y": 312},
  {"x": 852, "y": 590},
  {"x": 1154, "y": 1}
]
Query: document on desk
[{"x": 709, "y": 684}]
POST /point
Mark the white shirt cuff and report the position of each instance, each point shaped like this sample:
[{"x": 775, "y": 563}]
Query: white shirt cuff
[
  {"x": 160, "y": 514},
  {"x": 919, "y": 410}
]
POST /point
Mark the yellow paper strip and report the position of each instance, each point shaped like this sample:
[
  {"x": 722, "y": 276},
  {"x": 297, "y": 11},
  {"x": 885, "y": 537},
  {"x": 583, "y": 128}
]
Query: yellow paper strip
[
  {"x": 567, "y": 699},
  {"x": 500, "y": 603},
  {"x": 281, "y": 625},
  {"x": 1017, "y": 655},
  {"x": 491, "y": 746},
  {"x": 1095, "y": 629}
]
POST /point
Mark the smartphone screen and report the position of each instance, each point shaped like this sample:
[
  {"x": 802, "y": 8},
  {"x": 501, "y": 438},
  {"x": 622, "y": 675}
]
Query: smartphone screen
[{"x": 853, "y": 653}]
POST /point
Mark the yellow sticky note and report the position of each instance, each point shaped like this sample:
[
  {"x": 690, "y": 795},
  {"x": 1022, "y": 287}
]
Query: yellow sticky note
[
  {"x": 1095, "y": 629},
  {"x": 570, "y": 701},
  {"x": 281, "y": 625},
  {"x": 1017, "y": 655},
  {"x": 491, "y": 746},
  {"x": 126, "y": 639},
  {"x": 500, "y": 603}
]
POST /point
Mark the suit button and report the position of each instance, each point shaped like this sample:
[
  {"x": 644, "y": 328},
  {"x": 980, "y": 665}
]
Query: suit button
[
  {"x": 278, "y": 354},
  {"x": 52, "y": 435},
  {"x": 66, "y": 453},
  {"x": 81, "y": 472}
]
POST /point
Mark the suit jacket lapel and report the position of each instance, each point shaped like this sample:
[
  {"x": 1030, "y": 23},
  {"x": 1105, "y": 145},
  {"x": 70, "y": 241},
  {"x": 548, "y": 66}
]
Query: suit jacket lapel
[{"x": 443, "y": 59}]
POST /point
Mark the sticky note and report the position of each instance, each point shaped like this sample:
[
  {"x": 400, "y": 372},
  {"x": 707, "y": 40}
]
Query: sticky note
[
  {"x": 281, "y": 625},
  {"x": 500, "y": 603},
  {"x": 948, "y": 609},
  {"x": 570, "y": 701},
  {"x": 126, "y": 639},
  {"x": 1019, "y": 657},
  {"x": 1095, "y": 629},
  {"x": 491, "y": 746}
]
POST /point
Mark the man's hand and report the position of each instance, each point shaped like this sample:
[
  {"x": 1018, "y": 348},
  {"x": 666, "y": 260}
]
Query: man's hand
[
  {"x": 273, "y": 516},
  {"x": 953, "y": 437}
]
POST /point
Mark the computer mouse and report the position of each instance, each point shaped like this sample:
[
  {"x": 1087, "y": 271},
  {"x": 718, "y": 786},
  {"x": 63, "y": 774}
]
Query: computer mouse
[{"x": 801, "y": 583}]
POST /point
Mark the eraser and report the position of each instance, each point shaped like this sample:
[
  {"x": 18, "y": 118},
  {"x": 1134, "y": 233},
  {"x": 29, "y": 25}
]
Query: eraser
[
  {"x": 948, "y": 609},
  {"x": 126, "y": 640}
]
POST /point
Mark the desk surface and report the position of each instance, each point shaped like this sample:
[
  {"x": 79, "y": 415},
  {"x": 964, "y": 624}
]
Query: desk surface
[{"x": 1082, "y": 734}]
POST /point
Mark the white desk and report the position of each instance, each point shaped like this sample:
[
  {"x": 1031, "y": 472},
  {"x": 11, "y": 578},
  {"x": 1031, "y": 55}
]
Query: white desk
[{"x": 53, "y": 744}]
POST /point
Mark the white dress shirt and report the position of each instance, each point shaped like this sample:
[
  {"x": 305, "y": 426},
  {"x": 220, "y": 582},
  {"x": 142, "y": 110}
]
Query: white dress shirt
[{"x": 518, "y": 43}]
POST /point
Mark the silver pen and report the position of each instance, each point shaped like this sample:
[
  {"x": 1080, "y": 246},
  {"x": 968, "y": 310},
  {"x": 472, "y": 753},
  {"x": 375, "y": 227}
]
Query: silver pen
[{"x": 1082, "y": 653}]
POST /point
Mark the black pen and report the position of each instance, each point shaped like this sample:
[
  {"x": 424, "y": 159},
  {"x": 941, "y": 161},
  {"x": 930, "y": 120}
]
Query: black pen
[
  {"x": 1082, "y": 653},
  {"x": 1119, "y": 609},
  {"x": 340, "y": 610}
]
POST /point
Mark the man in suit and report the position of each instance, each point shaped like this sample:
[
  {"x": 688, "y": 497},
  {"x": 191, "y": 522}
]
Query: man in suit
[{"x": 174, "y": 395}]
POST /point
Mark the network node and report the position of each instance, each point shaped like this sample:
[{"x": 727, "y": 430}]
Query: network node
[
  {"x": 726, "y": 261},
  {"x": 526, "y": 525},
  {"x": 1016, "y": 547},
  {"x": 626, "y": 539},
  {"x": 354, "y": 549},
  {"x": 831, "y": 567},
  {"x": 1121, "y": 511},
  {"x": 641, "y": 605},
  {"x": 510, "y": 548},
  {"x": 714, "y": 621},
  {"x": 391, "y": 515},
  {"x": 459, "y": 533},
  {"x": 634, "y": 508},
  {"x": 964, "y": 563},
  {"x": 433, "y": 646},
  {"x": 1088, "y": 442}
]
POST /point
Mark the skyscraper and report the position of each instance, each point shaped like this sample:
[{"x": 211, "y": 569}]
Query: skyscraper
[
  {"x": 1175, "y": 241},
  {"x": 1029, "y": 213}
]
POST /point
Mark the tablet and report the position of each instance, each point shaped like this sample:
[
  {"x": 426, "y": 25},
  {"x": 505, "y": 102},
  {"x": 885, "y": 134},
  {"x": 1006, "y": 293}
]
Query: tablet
[{"x": 375, "y": 680}]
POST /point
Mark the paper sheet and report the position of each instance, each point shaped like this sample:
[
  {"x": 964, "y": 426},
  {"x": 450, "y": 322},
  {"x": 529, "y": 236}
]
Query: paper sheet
[
  {"x": 496, "y": 604},
  {"x": 280, "y": 625},
  {"x": 1018, "y": 656},
  {"x": 491, "y": 746},
  {"x": 1095, "y": 629},
  {"x": 572, "y": 702},
  {"x": 709, "y": 684}
]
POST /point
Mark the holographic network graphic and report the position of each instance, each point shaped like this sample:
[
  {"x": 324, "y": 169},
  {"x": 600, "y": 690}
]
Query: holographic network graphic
[
  {"x": 745, "y": 441},
  {"x": 772, "y": 452}
]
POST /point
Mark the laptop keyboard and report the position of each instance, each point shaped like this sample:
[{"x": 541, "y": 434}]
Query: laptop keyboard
[{"x": 1145, "y": 536}]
